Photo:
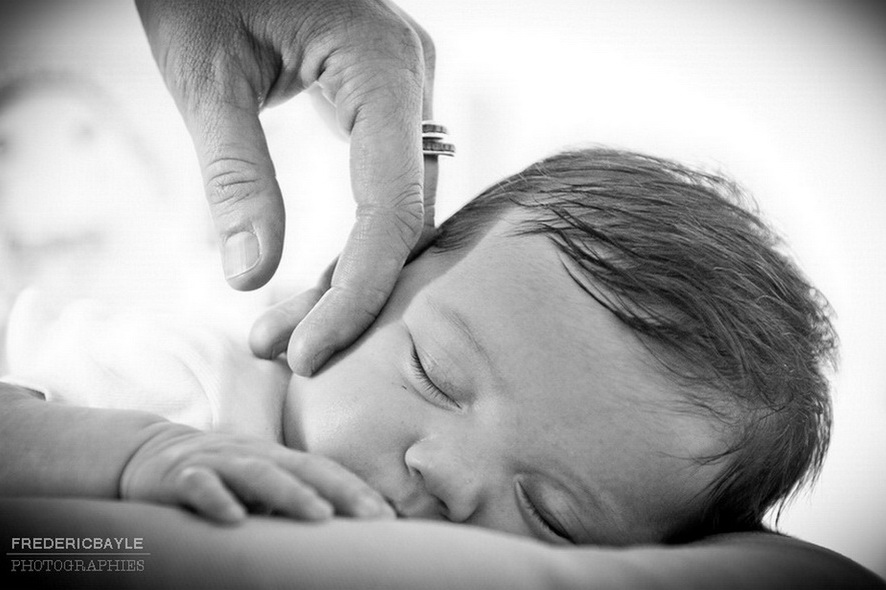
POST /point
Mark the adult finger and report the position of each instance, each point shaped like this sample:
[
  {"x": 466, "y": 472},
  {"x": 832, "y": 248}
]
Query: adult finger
[
  {"x": 269, "y": 336},
  {"x": 219, "y": 87},
  {"x": 241, "y": 188},
  {"x": 385, "y": 106}
]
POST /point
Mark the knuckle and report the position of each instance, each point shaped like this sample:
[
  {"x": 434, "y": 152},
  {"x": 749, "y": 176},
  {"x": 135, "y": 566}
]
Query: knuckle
[
  {"x": 326, "y": 465},
  {"x": 429, "y": 49},
  {"x": 191, "y": 478},
  {"x": 408, "y": 44},
  {"x": 275, "y": 497},
  {"x": 252, "y": 468},
  {"x": 190, "y": 64},
  {"x": 402, "y": 219},
  {"x": 306, "y": 464},
  {"x": 386, "y": 34},
  {"x": 316, "y": 464},
  {"x": 383, "y": 58},
  {"x": 353, "y": 488},
  {"x": 230, "y": 181}
]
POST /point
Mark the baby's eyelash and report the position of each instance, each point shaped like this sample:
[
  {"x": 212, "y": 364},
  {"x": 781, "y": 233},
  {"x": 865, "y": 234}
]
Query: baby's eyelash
[
  {"x": 430, "y": 388},
  {"x": 536, "y": 515}
]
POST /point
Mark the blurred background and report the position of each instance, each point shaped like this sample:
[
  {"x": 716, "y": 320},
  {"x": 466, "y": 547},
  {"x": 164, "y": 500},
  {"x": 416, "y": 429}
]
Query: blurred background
[{"x": 100, "y": 192}]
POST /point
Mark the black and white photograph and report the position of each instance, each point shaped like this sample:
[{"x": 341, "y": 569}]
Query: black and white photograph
[{"x": 415, "y": 295}]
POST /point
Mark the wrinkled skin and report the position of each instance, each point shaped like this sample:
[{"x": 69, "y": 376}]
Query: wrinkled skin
[{"x": 223, "y": 61}]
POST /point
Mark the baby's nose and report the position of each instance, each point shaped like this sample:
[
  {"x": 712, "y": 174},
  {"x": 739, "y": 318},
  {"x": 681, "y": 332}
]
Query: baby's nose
[{"x": 453, "y": 479}]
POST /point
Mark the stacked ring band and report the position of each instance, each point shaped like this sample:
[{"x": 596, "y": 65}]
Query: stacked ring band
[{"x": 432, "y": 136}]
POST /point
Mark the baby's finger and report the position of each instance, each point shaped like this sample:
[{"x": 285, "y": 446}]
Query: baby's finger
[
  {"x": 266, "y": 484},
  {"x": 349, "y": 494},
  {"x": 202, "y": 490}
]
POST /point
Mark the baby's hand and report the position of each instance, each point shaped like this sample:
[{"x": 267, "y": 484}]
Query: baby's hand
[{"x": 221, "y": 476}]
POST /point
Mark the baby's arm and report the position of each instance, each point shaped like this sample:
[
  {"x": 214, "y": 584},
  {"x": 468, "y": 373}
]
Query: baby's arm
[
  {"x": 60, "y": 450},
  {"x": 55, "y": 450}
]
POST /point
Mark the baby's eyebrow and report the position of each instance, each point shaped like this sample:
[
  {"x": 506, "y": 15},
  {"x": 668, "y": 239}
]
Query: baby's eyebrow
[{"x": 456, "y": 320}]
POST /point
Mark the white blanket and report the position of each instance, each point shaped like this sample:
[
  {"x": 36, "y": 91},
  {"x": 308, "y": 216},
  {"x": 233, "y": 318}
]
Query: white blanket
[{"x": 187, "y": 370}]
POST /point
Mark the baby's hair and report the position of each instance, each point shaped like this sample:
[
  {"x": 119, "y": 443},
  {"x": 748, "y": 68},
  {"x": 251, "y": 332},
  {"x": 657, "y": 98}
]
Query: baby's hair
[{"x": 682, "y": 258}]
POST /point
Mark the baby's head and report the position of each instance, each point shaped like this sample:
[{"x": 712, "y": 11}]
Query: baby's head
[{"x": 604, "y": 348}]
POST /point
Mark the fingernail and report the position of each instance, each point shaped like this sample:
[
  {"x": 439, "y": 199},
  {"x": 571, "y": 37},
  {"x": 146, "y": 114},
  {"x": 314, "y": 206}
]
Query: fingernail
[
  {"x": 387, "y": 511},
  {"x": 242, "y": 253},
  {"x": 234, "y": 513},
  {"x": 321, "y": 510}
]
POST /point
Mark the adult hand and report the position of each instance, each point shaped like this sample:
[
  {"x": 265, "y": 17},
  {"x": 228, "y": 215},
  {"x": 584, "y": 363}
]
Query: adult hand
[{"x": 223, "y": 61}]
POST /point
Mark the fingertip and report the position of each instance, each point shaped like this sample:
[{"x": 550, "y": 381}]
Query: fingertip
[
  {"x": 335, "y": 322},
  {"x": 302, "y": 359},
  {"x": 264, "y": 340},
  {"x": 297, "y": 366},
  {"x": 370, "y": 507},
  {"x": 233, "y": 514},
  {"x": 225, "y": 511},
  {"x": 271, "y": 332},
  {"x": 308, "y": 349},
  {"x": 252, "y": 279},
  {"x": 320, "y": 510}
]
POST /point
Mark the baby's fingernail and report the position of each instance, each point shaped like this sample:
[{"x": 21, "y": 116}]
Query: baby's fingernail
[
  {"x": 320, "y": 510},
  {"x": 241, "y": 254},
  {"x": 371, "y": 507},
  {"x": 387, "y": 511},
  {"x": 233, "y": 513}
]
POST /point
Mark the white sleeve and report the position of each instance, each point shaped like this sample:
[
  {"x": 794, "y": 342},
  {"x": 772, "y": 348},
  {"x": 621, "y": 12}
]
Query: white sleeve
[{"x": 87, "y": 353}]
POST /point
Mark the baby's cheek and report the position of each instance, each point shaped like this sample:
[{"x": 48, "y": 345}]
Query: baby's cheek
[
  {"x": 353, "y": 410},
  {"x": 325, "y": 414}
]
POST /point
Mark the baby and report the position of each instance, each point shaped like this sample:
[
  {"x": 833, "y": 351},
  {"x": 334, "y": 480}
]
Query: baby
[{"x": 606, "y": 348}]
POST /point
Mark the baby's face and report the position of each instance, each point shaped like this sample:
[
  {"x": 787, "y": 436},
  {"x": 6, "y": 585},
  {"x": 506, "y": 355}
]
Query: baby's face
[{"x": 493, "y": 391}]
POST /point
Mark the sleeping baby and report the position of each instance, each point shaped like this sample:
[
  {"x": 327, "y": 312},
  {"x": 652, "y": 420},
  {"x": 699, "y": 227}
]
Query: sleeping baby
[{"x": 606, "y": 348}]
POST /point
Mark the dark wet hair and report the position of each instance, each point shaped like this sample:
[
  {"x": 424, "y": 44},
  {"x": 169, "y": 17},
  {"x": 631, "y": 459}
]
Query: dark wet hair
[{"x": 682, "y": 258}]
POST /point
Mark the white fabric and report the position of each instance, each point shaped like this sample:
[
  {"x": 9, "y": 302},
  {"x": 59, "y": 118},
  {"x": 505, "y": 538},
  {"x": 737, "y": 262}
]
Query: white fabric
[{"x": 90, "y": 354}]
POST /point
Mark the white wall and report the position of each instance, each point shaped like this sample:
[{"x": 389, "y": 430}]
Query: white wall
[{"x": 787, "y": 96}]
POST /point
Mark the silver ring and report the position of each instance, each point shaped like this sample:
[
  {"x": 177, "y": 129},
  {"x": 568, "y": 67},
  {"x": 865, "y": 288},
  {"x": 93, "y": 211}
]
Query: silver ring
[{"x": 432, "y": 136}]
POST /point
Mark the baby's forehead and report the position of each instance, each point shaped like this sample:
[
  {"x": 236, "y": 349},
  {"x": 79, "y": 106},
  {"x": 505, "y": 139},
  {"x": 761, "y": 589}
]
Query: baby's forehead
[
  {"x": 526, "y": 273},
  {"x": 503, "y": 257},
  {"x": 511, "y": 284}
]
